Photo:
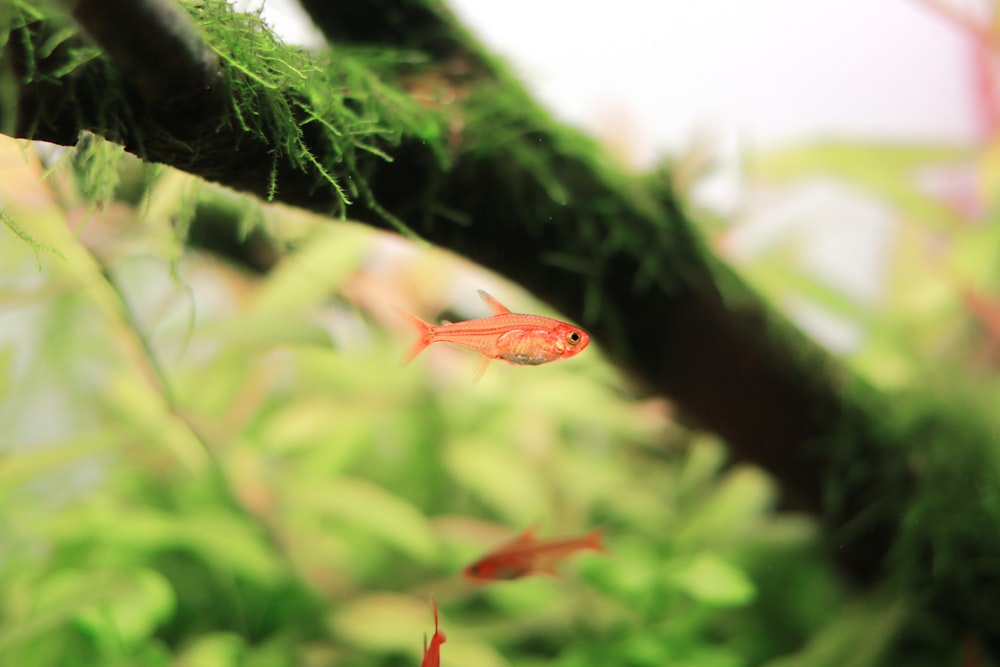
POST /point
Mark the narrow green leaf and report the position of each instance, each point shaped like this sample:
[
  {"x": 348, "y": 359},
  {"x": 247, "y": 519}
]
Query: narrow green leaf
[
  {"x": 309, "y": 277},
  {"x": 506, "y": 483},
  {"x": 23, "y": 466},
  {"x": 385, "y": 622}
]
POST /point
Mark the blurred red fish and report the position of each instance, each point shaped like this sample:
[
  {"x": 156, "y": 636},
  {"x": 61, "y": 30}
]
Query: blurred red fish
[
  {"x": 432, "y": 653},
  {"x": 524, "y": 555},
  {"x": 512, "y": 337}
]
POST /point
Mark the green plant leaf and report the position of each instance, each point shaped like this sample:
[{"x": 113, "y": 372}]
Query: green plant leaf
[
  {"x": 858, "y": 636},
  {"x": 507, "y": 484},
  {"x": 369, "y": 508},
  {"x": 215, "y": 649},
  {"x": 742, "y": 497},
  {"x": 132, "y": 616},
  {"x": 887, "y": 170},
  {"x": 712, "y": 581}
]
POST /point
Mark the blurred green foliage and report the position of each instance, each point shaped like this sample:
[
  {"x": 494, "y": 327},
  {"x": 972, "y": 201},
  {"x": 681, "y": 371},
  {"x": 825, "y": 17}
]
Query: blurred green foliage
[
  {"x": 200, "y": 466},
  {"x": 203, "y": 467}
]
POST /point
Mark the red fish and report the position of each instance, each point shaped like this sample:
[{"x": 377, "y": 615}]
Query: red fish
[
  {"x": 524, "y": 555},
  {"x": 512, "y": 337},
  {"x": 432, "y": 653}
]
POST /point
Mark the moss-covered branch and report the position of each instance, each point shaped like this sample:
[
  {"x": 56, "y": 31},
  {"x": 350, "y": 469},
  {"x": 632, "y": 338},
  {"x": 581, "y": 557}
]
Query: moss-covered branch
[
  {"x": 285, "y": 121},
  {"x": 428, "y": 130}
]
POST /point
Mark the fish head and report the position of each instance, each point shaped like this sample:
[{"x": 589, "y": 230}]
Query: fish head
[
  {"x": 570, "y": 340},
  {"x": 498, "y": 568},
  {"x": 480, "y": 571}
]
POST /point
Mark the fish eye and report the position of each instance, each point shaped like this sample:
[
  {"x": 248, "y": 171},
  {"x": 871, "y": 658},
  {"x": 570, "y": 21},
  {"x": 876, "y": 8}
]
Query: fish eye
[{"x": 573, "y": 337}]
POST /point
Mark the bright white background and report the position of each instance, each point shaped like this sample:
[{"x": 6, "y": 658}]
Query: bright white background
[{"x": 771, "y": 71}]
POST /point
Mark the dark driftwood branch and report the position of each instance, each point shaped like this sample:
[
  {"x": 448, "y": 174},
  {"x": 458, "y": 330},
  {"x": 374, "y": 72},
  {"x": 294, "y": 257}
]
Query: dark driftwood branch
[
  {"x": 426, "y": 27},
  {"x": 159, "y": 49},
  {"x": 508, "y": 188}
]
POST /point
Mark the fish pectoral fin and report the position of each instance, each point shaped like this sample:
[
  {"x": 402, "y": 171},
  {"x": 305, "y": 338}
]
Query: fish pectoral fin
[
  {"x": 496, "y": 307},
  {"x": 481, "y": 366}
]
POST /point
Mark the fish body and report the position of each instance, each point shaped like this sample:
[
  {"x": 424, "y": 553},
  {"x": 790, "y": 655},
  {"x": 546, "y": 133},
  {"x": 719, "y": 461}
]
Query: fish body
[
  {"x": 432, "y": 653},
  {"x": 525, "y": 555},
  {"x": 512, "y": 337}
]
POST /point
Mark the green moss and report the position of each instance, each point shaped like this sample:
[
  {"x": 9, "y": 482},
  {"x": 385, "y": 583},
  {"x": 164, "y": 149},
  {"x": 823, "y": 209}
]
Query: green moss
[
  {"x": 931, "y": 467},
  {"x": 278, "y": 94},
  {"x": 320, "y": 114},
  {"x": 51, "y": 52},
  {"x": 36, "y": 245},
  {"x": 97, "y": 167},
  {"x": 949, "y": 542}
]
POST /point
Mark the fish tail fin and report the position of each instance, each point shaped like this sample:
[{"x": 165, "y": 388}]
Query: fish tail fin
[
  {"x": 593, "y": 540},
  {"x": 425, "y": 334}
]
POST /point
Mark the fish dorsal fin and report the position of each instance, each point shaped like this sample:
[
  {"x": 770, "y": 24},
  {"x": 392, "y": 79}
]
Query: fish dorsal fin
[
  {"x": 496, "y": 307},
  {"x": 525, "y": 539}
]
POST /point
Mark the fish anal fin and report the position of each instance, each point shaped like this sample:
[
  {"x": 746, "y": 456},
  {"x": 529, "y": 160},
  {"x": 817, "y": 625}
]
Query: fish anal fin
[
  {"x": 481, "y": 367},
  {"x": 496, "y": 307},
  {"x": 547, "y": 569}
]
